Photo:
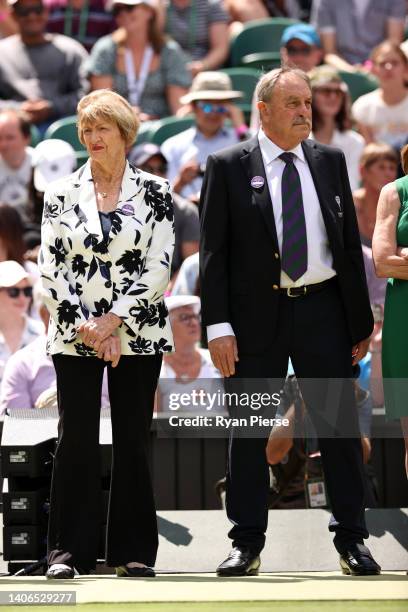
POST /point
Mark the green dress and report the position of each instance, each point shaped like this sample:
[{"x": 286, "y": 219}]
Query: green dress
[{"x": 395, "y": 330}]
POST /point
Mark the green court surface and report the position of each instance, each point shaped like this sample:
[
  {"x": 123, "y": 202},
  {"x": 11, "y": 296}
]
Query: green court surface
[{"x": 233, "y": 606}]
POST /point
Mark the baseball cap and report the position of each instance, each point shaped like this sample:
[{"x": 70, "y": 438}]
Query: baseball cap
[
  {"x": 151, "y": 3},
  {"x": 177, "y": 301},
  {"x": 52, "y": 159},
  {"x": 302, "y": 31},
  {"x": 211, "y": 85},
  {"x": 11, "y": 273},
  {"x": 141, "y": 153}
]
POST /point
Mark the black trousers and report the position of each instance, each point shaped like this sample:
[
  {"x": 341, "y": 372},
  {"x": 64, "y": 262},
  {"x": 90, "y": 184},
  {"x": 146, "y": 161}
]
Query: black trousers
[
  {"x": 75, "y": 514},
  {"x": 312, "y": 332}
]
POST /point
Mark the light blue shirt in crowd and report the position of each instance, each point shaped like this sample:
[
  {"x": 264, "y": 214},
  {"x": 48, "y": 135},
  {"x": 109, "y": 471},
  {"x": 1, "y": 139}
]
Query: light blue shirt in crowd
[{"x": 193, "y": 145}]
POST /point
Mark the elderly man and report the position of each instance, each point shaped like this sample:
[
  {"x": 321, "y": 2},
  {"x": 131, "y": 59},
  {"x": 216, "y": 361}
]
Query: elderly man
[
  {"x": 282, "y": 276},
  {"x": 15, "y": 158},
  {"x": 40, "y": 73},
  {"x": 211, "y": 97}
]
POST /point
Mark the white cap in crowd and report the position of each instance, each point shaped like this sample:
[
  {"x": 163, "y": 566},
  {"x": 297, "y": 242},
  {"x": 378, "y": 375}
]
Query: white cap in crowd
[
  {"x": 52, "y": 159},
  {"x": 11, "y": 273},
  {"x": 177, "y": 301}
]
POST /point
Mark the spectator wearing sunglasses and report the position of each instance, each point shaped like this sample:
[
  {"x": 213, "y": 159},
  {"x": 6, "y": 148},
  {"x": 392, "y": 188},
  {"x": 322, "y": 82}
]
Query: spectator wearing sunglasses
[
  {"x": 40, "y": 73},
  {"x": 300, "y": 47},
  {"x": 211, "y": 96},
  {"x": 139, "y": 63},
  {"x": 149, "y": 158},
  {"x": 332, "y": 118},
  {"x": 16, "y": 328}
]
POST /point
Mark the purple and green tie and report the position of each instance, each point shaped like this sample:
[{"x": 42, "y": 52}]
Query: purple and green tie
[{"x": 294, "y": 242}]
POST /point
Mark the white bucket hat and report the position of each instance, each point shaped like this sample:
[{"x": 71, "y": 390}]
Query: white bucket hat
[
  {"x": 52, "y": 159},
  {"x": 177, "y": 301},
  {"x": 11, "y": 273},
  {"x": 211, "y": 86}
]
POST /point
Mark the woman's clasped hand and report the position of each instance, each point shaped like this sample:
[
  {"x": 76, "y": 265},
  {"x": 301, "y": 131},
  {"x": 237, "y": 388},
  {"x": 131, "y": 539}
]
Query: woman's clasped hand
[{"x": 98, "y": 333}]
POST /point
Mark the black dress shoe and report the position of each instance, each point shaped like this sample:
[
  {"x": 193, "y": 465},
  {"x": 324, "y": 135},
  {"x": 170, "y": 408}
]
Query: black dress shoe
[
  {"x": 123, "y": 571},
  {"x": 60, "y": 573},
  {"x": 356, "y": 560},
  {"x": 240, "y": 562}
]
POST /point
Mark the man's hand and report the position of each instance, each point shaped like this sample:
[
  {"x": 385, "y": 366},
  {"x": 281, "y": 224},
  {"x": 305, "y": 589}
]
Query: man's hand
[
  {"x": 110, "y": 350},
  {"x": 38, "y": 110},
  {"x": 224, "y": 354},
  {"x": 97, "y": 329},
  {"x": 359, "y": 351},
  {"x": 188, "y": 172}
]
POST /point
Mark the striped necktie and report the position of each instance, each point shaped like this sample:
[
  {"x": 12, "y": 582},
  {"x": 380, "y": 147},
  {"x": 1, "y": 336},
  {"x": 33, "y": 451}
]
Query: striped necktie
[{"x": 294, "y": 243}]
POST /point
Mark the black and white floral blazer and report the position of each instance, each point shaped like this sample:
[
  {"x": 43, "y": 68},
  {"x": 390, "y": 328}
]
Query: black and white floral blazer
[{"x": 85, "y": 276}]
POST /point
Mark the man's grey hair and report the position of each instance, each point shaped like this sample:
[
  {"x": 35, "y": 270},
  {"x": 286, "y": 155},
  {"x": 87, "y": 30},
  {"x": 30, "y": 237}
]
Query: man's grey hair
[{"x": 266, "y": 84}]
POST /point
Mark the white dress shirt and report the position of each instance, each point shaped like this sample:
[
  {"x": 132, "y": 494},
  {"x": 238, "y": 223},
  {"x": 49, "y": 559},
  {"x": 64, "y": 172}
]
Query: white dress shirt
[{"x": 319, "y": 256}]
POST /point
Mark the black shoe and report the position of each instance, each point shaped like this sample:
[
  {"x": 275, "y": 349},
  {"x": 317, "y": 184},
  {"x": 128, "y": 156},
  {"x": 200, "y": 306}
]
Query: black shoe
[
  {"x": 240, "y": 562},
  {"x": 60, "y": 573},
  {"x": 356, "y": 560},
  {"x": 123, "y": 571}
]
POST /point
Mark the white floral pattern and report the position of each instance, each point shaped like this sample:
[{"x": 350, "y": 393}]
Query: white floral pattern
[{"x": 86, "y": 276}]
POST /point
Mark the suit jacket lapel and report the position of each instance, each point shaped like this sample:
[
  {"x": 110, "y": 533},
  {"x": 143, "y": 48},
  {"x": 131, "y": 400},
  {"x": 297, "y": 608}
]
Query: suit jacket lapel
[
  {"x": 131, "y": 196},
  {"x": 254, "y": 166},
  {"x": 316, "y": 166}
]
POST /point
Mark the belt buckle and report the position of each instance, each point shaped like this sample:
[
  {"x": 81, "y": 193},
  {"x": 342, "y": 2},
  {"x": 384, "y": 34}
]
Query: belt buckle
[{"x": 292, "y": 295}]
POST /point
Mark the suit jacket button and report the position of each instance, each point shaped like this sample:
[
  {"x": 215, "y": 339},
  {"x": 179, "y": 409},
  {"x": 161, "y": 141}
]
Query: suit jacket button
[
  {"x": 275, "y": 287},
  {"x": 276, "y": 255}
]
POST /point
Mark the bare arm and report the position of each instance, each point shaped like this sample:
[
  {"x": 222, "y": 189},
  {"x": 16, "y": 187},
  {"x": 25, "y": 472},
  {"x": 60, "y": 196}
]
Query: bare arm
[
  {"x": 366, "y": 132},
  {"x": 218, "y": 51},
  {"x": 101, "y": 82},
  {"x": 174, "y": 93},
  {"x": 331, "y": 55},
  {"x": 281, "y": 439},
  {"x": 395, "y": 30},
  {"x": 389, "y": 260}
]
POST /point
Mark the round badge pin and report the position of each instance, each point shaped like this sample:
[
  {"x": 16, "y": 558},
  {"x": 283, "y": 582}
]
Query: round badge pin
[
  {"x": 257, "y": 182},
  {"x": 127, "y": 209}
]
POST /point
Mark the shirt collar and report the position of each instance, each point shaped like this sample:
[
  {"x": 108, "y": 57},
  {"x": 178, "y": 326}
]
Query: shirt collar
[{"x": 270, "y": 151}]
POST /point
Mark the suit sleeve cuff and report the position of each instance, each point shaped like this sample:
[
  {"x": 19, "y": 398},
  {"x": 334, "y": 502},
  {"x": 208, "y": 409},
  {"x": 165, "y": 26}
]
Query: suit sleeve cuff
[{"x": 219, "y": 329}]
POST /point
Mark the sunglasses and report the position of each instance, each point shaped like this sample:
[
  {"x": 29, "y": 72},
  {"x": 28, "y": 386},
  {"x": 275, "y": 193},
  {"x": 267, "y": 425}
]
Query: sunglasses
[
  {"x": 187, "y": 318},
  {"x": 22, "y": 11},
  {"x": 160, "y": 168},
  {"x": 330, "y": 91},
  {"x": 298, "y": 50},
  {"x": 207, "y": 107},
  {"x": 14, "y": 292},
  {"x": 118, "y": 8}
]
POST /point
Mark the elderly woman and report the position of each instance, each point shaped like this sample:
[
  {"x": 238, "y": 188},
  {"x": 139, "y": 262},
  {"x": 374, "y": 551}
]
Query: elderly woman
[
  {"x": 16, "y": 328},
  {"x": 138, "y": 63},
  {"x": 390, "y": 251},
  {"x": 190, "y": 368},
  {"x": 107, "y": 243},
  {"x": 331, "y": 118}
]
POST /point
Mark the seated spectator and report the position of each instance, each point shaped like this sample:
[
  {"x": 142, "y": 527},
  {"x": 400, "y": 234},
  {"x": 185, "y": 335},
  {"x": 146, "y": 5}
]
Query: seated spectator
[
  {"x": 187, "y": 281},
  {"x": 8, "y": 25},
  {"x": 189, "y": 368},
  {"x": 382, "y": 114},
  {"x": 12, "y": 243},
  {"x": 300, "y": 47},
  {"x": 352, "y": 28},
  {"x": 84, "y": 20},
  {"x": 40, "y": 73},
  {"x": 242, "y": 11},
  {"x": 52, "y": 159},
  {"x": 331, "y": 118},
  {"x": 201, "y": 29},
  {"x": 149, "y": 158},
  {"x": 15, "y": 159},
  {"x": 137, "y": 61},
  {"x": 378, "y": 166},
  {"x": 29, "y": 373},
  {"x": 16, "y": 328},
  {"x": 211, "y": 96}
]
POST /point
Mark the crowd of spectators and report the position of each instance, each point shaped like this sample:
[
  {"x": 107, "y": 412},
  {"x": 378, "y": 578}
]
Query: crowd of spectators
[{"x": 165, "y": 57}]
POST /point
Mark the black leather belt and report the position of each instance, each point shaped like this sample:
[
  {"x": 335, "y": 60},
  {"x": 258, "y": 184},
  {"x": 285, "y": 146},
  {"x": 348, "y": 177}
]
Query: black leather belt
[{"x": 306, "y": 289}]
